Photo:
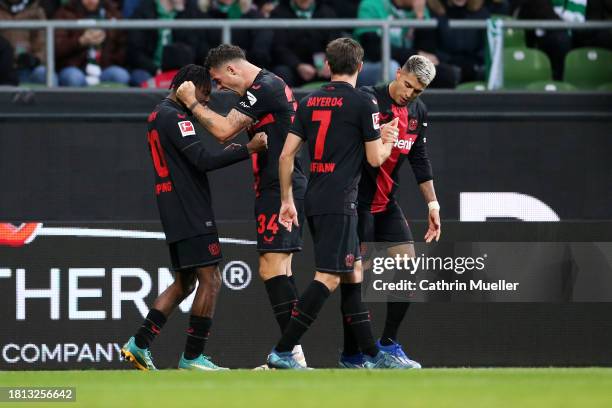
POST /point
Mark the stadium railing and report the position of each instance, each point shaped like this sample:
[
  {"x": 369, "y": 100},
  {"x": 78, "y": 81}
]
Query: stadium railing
[{"x": 227, "y": 25}]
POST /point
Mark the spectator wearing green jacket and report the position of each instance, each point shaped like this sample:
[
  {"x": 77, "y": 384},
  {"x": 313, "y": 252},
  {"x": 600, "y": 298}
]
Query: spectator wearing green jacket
[{"x": 405, "y": 42}]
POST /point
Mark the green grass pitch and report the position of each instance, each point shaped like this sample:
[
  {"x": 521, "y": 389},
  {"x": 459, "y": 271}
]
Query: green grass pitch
[{"x": 491, "y": 388}]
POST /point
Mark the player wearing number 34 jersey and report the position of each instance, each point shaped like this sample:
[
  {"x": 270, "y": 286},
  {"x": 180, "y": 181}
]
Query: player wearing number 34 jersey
[{"x": 266, "y": 104}]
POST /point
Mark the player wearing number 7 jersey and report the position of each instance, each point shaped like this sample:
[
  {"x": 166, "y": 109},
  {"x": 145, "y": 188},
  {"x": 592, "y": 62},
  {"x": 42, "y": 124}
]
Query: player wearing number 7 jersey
[
  {"x": 185, "y": 209},
  {"x": 267, "y": 105},
  {"x": 340, "y": 125}
]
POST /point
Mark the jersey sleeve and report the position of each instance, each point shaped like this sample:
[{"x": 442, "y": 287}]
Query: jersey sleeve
[
  {"x": 182, "y": 134},
  {"x": 369, "y": 118},
  {"x": 256, "y": 102},
  {"x": 418, "y": 158},
  {"x": 297, "y": 127}
]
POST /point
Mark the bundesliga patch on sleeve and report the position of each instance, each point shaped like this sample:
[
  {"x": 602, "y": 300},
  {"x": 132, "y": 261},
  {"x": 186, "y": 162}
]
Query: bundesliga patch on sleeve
[
  {"x": 376, "y": 120},
  {"x": 186, "y": 128}
]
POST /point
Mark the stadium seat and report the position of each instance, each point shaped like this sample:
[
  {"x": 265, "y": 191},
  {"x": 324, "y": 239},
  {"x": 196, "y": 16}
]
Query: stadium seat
[
  {"x": 605, "y": 87},
  {"x": 588, "y": 68},
  {"x": 523, "y": 66},
  {"x": 551, "y": 86},
  {"x": 472, "y": 86}
]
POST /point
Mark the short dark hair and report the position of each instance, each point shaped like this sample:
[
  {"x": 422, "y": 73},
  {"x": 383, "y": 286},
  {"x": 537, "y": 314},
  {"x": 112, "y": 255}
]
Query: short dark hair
[
  {"x": 222, "y": 54},
  {"x": 194, "y": 73},
  {"x": 344, "y": 56}
]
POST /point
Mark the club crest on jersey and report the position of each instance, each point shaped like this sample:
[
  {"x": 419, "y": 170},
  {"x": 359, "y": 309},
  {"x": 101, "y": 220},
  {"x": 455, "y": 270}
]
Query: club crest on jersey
[
  {"x": 413, "y": 124},
  {"x": 376, "y": 120},
  {"x": 252, "y": 98},
  {"x": 186, "y": 128}
]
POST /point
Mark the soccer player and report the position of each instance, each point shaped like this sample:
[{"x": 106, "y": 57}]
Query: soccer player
[
  {"x": 266, "y": 104},
  {"x": 185, "y": 209},
  {"x": 340, "y": 124},
  {"x": 380, "y": 217}
]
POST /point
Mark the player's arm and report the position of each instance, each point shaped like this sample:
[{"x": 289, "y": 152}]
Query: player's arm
[
  {"x": 378, "y": 139},
  {"x": 421, "y": 167},
  {"x": 223, "y": 128},
  {"x": 288, "y": 214},
  {"x": 233, "y": 153},
  {"x": 379, "y": 150},
  {"x": 183, "y": 136}
]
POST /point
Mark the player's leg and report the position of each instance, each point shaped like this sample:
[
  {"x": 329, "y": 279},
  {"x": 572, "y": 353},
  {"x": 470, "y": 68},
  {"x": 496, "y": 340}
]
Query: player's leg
[
  {"x": 200, "y": 319},
  {"x": 273, "y": 269},
  {"x": 392, "y": 227},
  {"x": 136, "y": 350},
  {"x": 303, "y": 315},
  {"x": 351, "y": 356},
  {"x": 396, "y": 310}
]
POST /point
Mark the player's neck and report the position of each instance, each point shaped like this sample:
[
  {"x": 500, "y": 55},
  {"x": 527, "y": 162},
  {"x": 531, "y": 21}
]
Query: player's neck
[
  {"x": 351, "y": 79},
  {"x": 250, "y": 73},
  {"x": 391, "y": 91},
  {"x": 173, "y": 98}
]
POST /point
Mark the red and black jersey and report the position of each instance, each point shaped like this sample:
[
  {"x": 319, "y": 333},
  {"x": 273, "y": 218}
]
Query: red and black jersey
[
  {"x": 336, "y": 121},
  {"x": 270, "y": 102},
  {"x": 378, "y": 185},
  {"x": 181, "y": 162}
]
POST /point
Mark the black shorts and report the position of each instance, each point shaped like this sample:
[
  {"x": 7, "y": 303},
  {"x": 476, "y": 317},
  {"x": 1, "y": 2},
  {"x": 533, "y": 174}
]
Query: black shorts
[
  {"x": 271, "y": 235},
  {"x": 336, "y": 243},
  {"x": 387, "y": 226},
  {"x": 202, "y": 250}
]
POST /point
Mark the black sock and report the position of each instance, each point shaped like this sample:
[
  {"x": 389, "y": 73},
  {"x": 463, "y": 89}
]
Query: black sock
[
  {"x": 357, "y": 318},
  {"x": 303, "y": 314},
  {"x": 151, "y": 327},
  {"x": 395, "y": 314},
  {"x": 350, "y": 342},
  {"x": 294, "y": 286},
  {"x": 197, "y": 335},
  {"x": 282, "y": 298}
]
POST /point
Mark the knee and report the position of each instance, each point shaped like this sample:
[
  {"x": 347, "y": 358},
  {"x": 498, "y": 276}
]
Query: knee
[
  {"x": 271, "y": 265},
  {"x": 210, "y": 279},
  {"x": 356, "y": 276},
  {"x": 185, "y": 285},
  {"x": 331, "y": 280}
]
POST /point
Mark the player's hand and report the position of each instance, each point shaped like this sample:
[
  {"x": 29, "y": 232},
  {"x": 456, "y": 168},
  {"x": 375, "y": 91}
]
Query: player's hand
[
  {"x": 258, "y": 143},
  {"x": 186, "y": 93},
  {"x": 435, "y": 227},
  {"x": 389, "y": 131},
  {"x": 288, "y": 215}
]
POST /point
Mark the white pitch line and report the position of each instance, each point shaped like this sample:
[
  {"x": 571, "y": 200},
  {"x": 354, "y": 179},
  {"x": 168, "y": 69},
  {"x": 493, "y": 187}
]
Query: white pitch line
[{"x": 115, "y": 233}]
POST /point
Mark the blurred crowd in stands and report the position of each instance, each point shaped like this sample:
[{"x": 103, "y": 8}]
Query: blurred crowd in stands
[{"x": 149, "y": 58}]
